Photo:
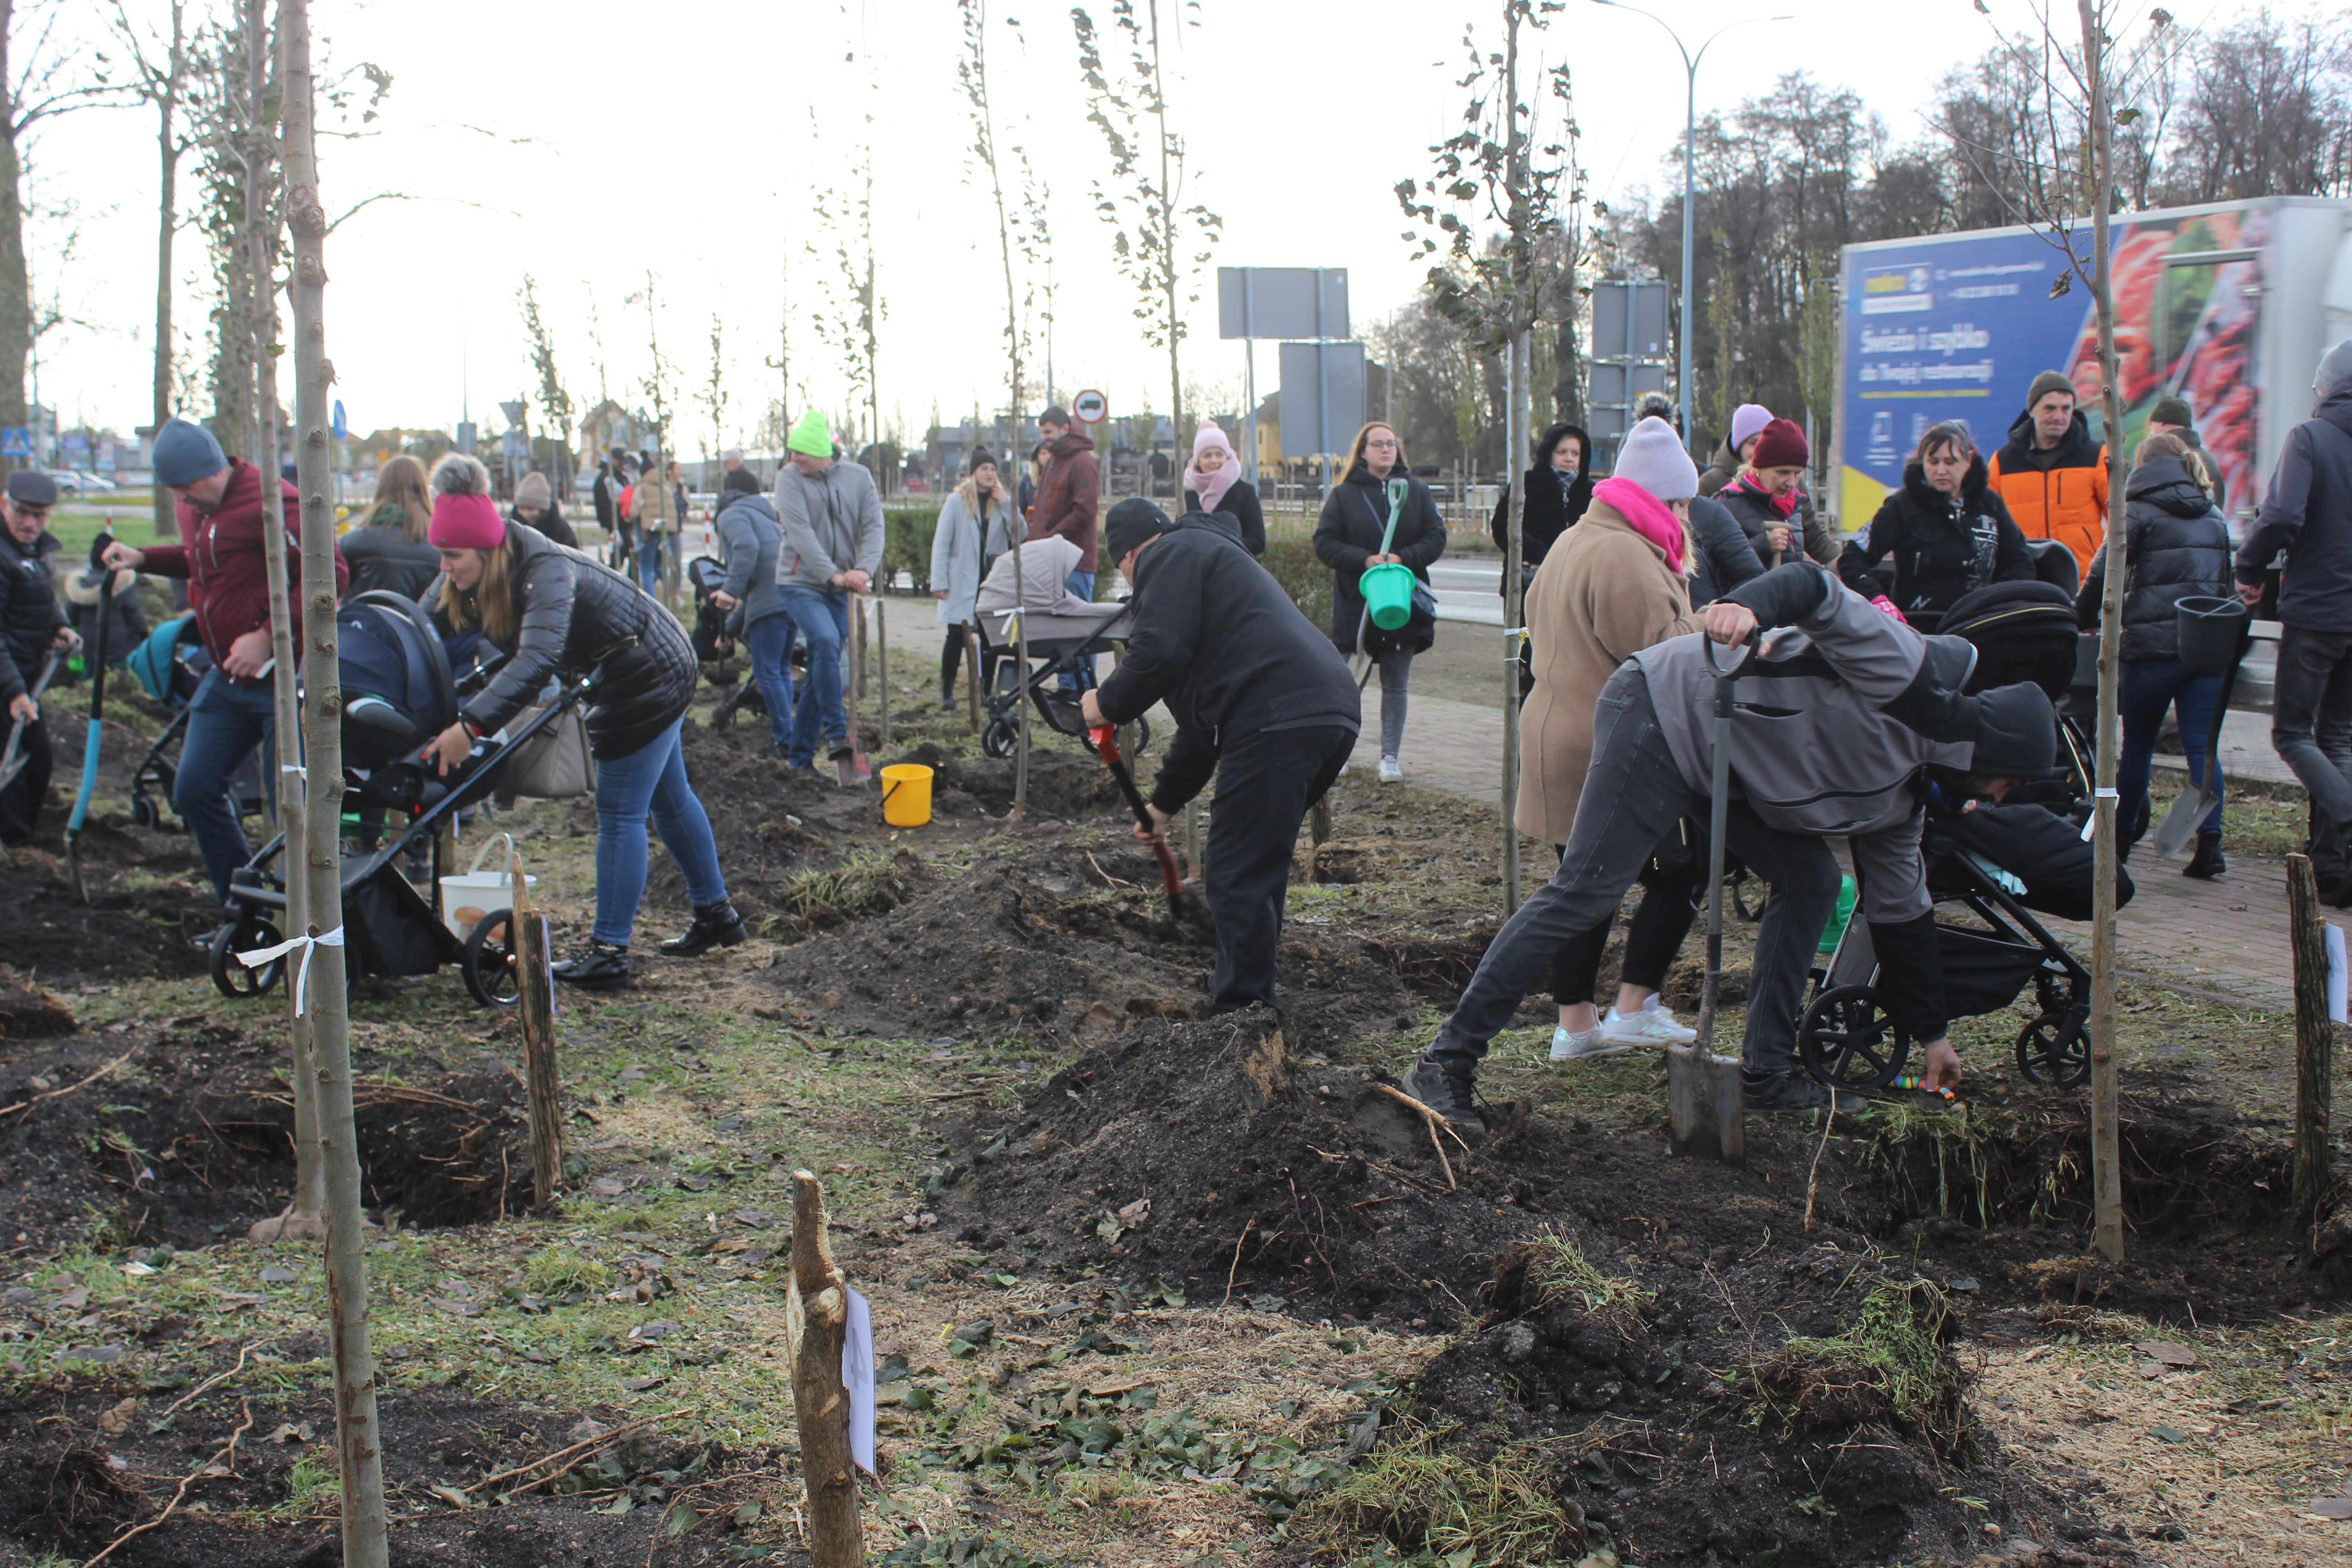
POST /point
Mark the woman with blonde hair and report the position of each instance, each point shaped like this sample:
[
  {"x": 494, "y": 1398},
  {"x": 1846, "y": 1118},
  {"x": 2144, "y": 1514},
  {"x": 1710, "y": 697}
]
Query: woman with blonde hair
[
  {"x": 560, "y": 616},
  {"x": 975, "y": 527},
  {"x": 390, "y": 551},
  {"x": 1347, "y": 539}
]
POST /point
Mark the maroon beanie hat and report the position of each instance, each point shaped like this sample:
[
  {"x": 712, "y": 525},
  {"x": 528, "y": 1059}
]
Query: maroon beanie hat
[{"x": 1781, "y": 446}]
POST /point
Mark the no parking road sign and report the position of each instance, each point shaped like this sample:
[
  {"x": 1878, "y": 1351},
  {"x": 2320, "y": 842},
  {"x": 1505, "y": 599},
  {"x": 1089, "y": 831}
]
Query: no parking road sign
[{"x": 1089, "y": 408}]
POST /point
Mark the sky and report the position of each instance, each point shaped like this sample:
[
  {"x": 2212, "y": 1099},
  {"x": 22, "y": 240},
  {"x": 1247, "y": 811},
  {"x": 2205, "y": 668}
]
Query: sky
[{"x": 591, "y": 144}]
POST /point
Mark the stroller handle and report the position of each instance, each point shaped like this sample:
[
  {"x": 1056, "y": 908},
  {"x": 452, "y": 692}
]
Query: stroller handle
[{"x": 1752, "y": 650}]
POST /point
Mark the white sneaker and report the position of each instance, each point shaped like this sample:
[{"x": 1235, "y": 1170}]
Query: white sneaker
[
  {"x": 1389, "y": 772},
  {"x": 1568, "y": 1047},
  {"x": 1653, "y": 1025}
]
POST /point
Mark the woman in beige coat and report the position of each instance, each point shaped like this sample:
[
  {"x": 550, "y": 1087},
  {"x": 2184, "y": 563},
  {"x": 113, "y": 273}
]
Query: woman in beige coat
[{"x": 1616, "y": 583}]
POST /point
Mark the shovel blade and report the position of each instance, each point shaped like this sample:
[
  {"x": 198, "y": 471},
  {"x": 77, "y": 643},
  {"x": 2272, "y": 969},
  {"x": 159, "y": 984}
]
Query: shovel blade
[
  {"x": 1706, "y": 1112},
  {"x": 2179, "y": 824}
]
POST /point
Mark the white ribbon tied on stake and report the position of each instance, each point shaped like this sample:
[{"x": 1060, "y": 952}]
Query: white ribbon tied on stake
[
  {"x": 309, "y": 946},
  {"x": 2091, "y": 823}
]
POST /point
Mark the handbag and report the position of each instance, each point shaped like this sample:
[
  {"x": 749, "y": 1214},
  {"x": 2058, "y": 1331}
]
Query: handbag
[{"x": 553, "y": 765}]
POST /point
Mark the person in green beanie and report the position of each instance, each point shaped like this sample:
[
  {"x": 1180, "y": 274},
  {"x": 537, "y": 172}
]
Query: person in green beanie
[{"x": 832, "y": 518}]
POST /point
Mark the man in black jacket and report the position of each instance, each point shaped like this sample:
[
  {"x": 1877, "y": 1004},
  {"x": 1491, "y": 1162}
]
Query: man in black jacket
[
  {"x": 1260, "y": 697},
  {"x": 32, "y": 624}
]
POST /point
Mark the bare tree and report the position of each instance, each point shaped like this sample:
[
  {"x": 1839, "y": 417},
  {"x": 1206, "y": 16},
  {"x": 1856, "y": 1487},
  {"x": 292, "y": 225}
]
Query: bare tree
[
  {"x": 852, "y": 327},
  {"x": 713, "y": 396},
  {"x": 656, "y": 378},
  {"x": 554, "y": 401},
  {"x": 160, "y": 67},
  {"x": 2268, "y": 111}
]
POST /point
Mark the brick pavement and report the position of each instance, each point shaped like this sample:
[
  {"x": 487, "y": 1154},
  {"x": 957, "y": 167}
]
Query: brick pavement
[{"x": 2228, "y": 937}]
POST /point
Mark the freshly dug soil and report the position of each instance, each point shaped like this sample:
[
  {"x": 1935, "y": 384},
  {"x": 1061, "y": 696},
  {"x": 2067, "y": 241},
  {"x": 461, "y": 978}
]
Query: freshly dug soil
[{"x": 47, "y": 931}]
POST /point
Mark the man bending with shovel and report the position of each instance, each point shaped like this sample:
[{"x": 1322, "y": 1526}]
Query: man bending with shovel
[
  {"x": 1831, "y": 728},
  {"x": 1260, "y": 697}
]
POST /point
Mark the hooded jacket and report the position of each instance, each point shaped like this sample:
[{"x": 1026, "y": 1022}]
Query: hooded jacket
[
  {"x": 2176, "y": 546},
  {"x": 551, "y": 524},
  {"x": 831, "y": 521},
  {"x": 1218, "y": 639},
  {"x": 2059, "y": 494},
  {"x": 1349, "y": 530},
  {"x": 749, "y": 538},
  {"x": 1069, "y": 495},
  {"x": 381, "y": 555},
  {"x": 1944, "y": 546},
  {"x": 1722, "y": 468},
  {"x": 29, "y": 612},
  {"x": 1757, "y": 515},
  {"x": 1552, "y": 508},
  {"x": 1725, "y": 556},
  {"x": 2308, "y": 514},
  {"x": 573, "y": 617},
  {"x": 220, "y": 554},
  {"x": 126, "y": 618}
]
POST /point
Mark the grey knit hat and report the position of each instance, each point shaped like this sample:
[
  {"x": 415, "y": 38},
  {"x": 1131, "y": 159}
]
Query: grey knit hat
[{"x": 1653, "y": 458}]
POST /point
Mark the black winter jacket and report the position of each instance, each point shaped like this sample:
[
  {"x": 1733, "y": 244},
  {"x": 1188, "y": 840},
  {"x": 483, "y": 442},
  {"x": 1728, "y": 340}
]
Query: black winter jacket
[
  {"x": 1726, "y": 557},
  {"x": 1810, "y": 537},
  {"x": 1218, "y": 639},
  {"x": 1944, "y": 546},
  {"x": 29, "y": 612},
  {"x": 1354, "y": 516},
  {"x": 551, "y": 524},
  {"x": 1239, "y": 502},
  {"x": 382, "y": 556},
  {"x": 2308, "y": 514},
  {"x": 2176, "y": 546},
  {"x": 577, "y": 618},
  {"x": 1551, "y": 507}
]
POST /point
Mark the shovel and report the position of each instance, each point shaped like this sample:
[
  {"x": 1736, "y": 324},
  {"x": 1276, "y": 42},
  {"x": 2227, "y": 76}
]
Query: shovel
[
  {"x": 1171, "y": 882},
  {"x": 11, "y": 763},
  {"x": 2189, "y": 808},
  {"x": 1706, "y": 1106},
  {"x": 98, "y": 548}
]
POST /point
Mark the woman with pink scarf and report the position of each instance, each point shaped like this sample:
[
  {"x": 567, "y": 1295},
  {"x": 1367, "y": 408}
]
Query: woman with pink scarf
[{"x": 1213, "y": 482}]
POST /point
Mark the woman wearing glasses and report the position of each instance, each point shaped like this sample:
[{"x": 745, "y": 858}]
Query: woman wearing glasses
[{"x": 1347, "y": 539}]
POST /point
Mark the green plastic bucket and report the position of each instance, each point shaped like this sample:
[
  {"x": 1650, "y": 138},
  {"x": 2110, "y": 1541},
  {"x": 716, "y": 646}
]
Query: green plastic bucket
[
  {"x": 1387, "y": 593},
  {"x": 1834, "y": 932}
]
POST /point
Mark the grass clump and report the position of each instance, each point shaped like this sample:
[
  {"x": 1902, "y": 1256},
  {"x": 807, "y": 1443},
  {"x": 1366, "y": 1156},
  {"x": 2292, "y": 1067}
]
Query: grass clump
[
  {"x": 1431, "y": 1495},
  {"x": 1893, "y": 1368},
  {"x": 559, "y": 1271},
  {"x": 868, "y": 882},
  {"x": 1550, "y": 1270}
]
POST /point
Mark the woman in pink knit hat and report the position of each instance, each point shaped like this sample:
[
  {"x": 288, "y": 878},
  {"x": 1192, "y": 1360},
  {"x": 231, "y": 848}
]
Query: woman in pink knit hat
[
  {"x": 1214, "y": 483},
  {"x": 560, "y": 616}
]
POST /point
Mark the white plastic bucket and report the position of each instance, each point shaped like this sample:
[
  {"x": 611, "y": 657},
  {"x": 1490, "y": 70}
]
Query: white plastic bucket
[{"x": 474, "y": 892}]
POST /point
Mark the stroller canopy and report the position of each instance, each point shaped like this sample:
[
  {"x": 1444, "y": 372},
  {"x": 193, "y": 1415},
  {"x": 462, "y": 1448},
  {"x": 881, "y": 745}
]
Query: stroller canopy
[
  {"x": 397, "y": 688},
  {"x": 2022, "y": 631}
]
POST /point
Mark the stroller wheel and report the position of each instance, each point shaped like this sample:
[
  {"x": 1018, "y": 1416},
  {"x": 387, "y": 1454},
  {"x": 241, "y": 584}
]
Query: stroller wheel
[
  {"x": 2054, "y": 1050},
  {"x": 233, "y": 979},
  {"x": 143, "y": 813},
  {"x": 487, "y": 961},
  {"x": 1849, "y": 1040},
  {"x": 999, "y": 738}
]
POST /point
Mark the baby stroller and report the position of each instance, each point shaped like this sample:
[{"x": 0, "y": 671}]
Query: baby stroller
[
  {"x": 1059, "y": 647},
  {"x": 398, "y": 693},
  {"x": 169, "y": 665},
  {"x": 2026, "y": 631},
  {"x": 714, "y": 639}
]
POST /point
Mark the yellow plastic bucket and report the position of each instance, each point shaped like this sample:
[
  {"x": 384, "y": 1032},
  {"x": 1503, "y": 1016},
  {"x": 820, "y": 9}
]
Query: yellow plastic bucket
[{"x": 906, "y": 795}]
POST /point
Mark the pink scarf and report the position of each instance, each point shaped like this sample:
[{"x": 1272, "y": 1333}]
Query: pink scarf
[
  {"x": 1212, "y": 487},
  {"x": 1645, "y": 514},
  {"x": 1753, "y": 486}
]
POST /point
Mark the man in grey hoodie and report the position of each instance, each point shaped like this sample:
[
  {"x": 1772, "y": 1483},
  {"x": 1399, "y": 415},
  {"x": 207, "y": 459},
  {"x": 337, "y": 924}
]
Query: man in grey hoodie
[
  {"x": 1844, "y": 711},
  {"x": 832, "y": 519},
  {"x": 749, "y": 538}
]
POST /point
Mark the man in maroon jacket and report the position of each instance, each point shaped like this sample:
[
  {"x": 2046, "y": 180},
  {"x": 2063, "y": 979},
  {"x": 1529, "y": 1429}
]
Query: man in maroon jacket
[
  {"x": 1065, "y": 503},
  {"x": 221, "y": 555}
]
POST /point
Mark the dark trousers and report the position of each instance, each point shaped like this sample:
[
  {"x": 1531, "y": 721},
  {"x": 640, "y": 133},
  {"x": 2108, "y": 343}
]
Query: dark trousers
[
  {"x": 1654, "y": 938},
  {"x": 951, "y": 660},
  {"x": 2311, "y": 718},
  {"x": 1634, "y": 795},
  {"x": 2147, "y": 688},
  {"x": 1266, "y": 782},
  {"x": 21, "y": 801},
  {"x": 225, "y": 722}
]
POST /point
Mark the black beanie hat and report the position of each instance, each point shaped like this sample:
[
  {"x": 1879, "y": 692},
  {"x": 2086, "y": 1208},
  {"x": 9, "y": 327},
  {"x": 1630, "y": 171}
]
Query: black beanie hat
[
  {"x": 979, "y": 455},
  {"x": 1131, "y": 523},
  {"x": 740, "y": 482},
  {"x": 2171, "y": 411},
  {"x": 2017, "y": 734}
]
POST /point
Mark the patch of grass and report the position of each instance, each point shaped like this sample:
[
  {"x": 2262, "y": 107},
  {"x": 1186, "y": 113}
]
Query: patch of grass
[
  {"x": 1430, "y": 1495},
  {"x": 557, "y": 1270},
  {"x": 309, "y": 1480},
  {"x": 1559, "y": 1273},
  {"x": 1893, "y": 1367},
  {"x": 868, "y": 882}
]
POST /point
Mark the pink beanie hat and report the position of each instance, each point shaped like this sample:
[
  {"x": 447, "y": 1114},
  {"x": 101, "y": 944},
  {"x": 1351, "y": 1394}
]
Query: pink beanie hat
[{"x": 463, "y": 515}]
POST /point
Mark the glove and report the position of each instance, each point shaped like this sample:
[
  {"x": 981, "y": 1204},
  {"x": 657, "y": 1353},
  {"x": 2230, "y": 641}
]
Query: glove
[{"x": 1886, "y": 605}]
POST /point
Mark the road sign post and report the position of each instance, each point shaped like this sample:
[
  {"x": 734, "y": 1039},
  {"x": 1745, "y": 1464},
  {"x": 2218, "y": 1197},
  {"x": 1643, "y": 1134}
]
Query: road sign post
[
  {"x": 1090, "y": 408},
  {"x": 1298, "y": 302}
]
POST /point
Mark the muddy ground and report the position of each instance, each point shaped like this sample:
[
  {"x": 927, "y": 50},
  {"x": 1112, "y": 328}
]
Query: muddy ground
[{"x": 1046, "y": 1156}]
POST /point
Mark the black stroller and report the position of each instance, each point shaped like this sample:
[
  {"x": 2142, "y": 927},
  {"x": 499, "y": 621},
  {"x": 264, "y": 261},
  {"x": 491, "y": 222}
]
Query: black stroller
[
  {"x": 2000, "y": 865},
  {"x": 398, "y": 693},
  {"x": 1060, "y": 646},
  {"x": 714, "y": 641}
]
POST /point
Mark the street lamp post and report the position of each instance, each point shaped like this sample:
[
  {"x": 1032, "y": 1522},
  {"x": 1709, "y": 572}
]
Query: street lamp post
[{"x": 1690, "y": 140}]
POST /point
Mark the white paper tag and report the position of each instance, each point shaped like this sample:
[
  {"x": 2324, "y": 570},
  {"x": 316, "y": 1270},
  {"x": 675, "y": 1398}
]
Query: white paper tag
[
  {"x": 857, "y": 1379},
  {"x": 2336, "y": 972}
]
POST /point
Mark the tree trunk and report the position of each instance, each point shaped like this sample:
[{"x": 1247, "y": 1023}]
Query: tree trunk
[
  {"x": 818, "y": 1311},
  {"x": 2314, "y": 1041},
  {"x": 167, "y": 102},
  {"x": 2106, "y": 1171},
  {"x": 15, "y": 287}
]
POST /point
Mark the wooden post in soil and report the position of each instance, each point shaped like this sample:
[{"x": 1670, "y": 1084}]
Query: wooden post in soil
[
  {"x": 972, "y": 655},
  {"x": 882, "y": 662},
  {"x": 2314, "y": 1041},
  {"x": 535, "y": 983},
  {"x": 358, "y": 1437},
  {"x": 856, "y": 662},
  {"x": 1020, "y": 684},
  {"x": 817, "y": 1315}
]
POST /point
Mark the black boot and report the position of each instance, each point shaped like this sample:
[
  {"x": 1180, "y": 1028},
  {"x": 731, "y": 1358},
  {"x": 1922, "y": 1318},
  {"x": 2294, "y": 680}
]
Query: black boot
[
  {"x": 715, "y": 925},
  {"x": 604, "y": 967},
  {"x": 2208, "y": 862}
]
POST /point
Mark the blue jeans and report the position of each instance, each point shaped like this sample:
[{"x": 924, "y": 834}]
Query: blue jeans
[
  {"x": 649, "y": 561},
  {"x": 225, "y": 722},
  {"x": 822, "y": 617},
  {"x": 771, "y": 642},
  {"x": 1081, "y": 584},
  {"x": 2147, "y": 686},
  {"x": 650, "y": 780}
]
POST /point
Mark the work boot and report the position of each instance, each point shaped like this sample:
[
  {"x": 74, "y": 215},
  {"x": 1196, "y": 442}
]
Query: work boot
[
  {"x": 1451, "y": 1095},
  {"x": 947, "y": 698},
  {"x": 1792, "y": 1091},
  {"x": 2208, "y": 862},
  {"x": 604, "y": 967},
  {"x": 715, "y": 925}
]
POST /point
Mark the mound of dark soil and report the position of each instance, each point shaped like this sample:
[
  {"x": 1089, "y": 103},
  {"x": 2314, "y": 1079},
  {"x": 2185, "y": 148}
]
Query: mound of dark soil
[
  {"x": 28, "y": 1012},
  {"x": 121, "y": 934}
]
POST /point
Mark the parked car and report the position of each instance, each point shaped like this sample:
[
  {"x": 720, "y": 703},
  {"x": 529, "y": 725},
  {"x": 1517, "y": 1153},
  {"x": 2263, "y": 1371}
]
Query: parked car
[{"x": 93, "y": 483}]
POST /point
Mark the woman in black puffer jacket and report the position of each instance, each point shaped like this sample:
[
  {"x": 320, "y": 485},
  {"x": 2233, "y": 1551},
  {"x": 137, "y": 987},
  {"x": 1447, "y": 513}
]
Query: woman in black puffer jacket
[
  {"x": 1559, "y": 488},
  {"x": 562, "y": 615},
  {"x": 1348, "y": 540},
  {"x": 2176, "y": 546},
  {"x": 1947, "y": 529}
]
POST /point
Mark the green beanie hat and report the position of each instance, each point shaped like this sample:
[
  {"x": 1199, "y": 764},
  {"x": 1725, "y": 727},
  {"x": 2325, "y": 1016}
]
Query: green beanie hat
[
  {"x": 811, "y": 434},
  {"x": 2048, "y": 382}
]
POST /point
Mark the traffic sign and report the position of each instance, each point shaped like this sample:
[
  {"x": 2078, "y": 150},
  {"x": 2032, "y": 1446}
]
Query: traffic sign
[
  {"x": 342, "y": 426},
  {"x": 17, "y": 441},
  {"x": 1089, "y": 408}
]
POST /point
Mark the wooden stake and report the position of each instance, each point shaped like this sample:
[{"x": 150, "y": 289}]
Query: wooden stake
[
  {"x": 817, "y": 1312},
  {"x": 1192, "y": 838},
  {"x": 536, "y": 979},
  {"x": 856, "y": 663},
  {"x": 971, "y": 691},
  {"x": 882, "y": 662},
  {"x": 2315, "y": 1040}
]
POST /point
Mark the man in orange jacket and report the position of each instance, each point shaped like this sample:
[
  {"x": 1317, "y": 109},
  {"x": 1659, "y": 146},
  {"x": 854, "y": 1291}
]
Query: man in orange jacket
[{"x": 2054, "y": 478}]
